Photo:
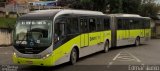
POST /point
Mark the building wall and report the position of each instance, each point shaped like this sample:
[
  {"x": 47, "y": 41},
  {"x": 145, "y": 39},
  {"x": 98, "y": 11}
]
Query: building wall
[
  {"x": 5, "y": 37},
  {"x": 25, "y": 1},
  {"x": 158, "y": 30},
  {"x": 21, "y": 1}
]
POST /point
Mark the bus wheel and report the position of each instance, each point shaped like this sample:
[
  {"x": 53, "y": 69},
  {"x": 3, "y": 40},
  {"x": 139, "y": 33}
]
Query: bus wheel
[
  {"x": 106, "y": 47},
  {"x": 73, "y": 56},
  {"x": 137, "y": 42}
]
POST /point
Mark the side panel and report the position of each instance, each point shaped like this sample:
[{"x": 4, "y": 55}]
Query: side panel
[
  {"x": 95, "y": 42},
  {"x": 94, "y": 38},
  {"x": 84, "y": 40}
]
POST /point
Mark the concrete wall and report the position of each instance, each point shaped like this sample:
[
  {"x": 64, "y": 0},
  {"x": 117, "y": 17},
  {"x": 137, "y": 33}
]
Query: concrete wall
[
  {"x": 5, "y": 37},
  {"x": 158, "y": 30}
]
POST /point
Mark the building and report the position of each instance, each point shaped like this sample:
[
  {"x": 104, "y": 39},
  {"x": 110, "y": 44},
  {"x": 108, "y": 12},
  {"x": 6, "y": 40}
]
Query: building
[{"x": 156, "y": 27}]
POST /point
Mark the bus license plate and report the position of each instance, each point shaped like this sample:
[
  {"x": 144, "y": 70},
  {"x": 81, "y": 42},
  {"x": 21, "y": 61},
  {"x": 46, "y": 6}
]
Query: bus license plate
[{"x": 29, "y": 62}]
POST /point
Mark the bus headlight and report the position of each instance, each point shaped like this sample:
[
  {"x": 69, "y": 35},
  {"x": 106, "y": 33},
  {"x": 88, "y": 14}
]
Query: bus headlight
[
  {"x": 14, "y": 54},
  {"x": 46, "y": 56}
]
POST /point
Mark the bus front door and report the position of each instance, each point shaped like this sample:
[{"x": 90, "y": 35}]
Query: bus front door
[{"x": 84, "y": 35}]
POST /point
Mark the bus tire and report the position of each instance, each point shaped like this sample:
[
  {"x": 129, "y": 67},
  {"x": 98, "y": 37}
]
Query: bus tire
[
  {"x": 137, "y": 41},
  {"x": 106, "y": 47},
  {"x": 73, "y": 56}
]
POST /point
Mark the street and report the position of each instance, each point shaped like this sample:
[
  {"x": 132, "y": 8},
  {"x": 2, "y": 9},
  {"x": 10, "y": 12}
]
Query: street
[{"x": 146, "y": 54}]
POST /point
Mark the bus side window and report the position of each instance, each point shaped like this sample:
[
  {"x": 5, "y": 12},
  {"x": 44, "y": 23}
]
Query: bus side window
[
  {"x": 146, "y": 24},
  {"x": 83, "y": 25},
  {"x": 137, "y": 24},
  {"x": 98, "y": 24},
  {"x": 92, "y": 24},
  {"x": 106, "y": 24},
  {"x": 72, "y": 26},
  {"x": 120, "y": 24},
  {"x": 131, "y": 24},
  {"x": 59, "y": 29},
  {"x": 126, "y": 24}
]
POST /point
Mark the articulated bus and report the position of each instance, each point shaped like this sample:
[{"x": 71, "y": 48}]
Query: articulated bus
[
  {"x": 129, "y": 29},
  {"x": 53, "y": 37}
]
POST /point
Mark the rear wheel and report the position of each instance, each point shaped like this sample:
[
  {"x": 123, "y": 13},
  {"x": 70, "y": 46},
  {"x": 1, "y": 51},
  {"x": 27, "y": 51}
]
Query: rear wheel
[
  {"x": 73, "y": 56},
  {"x": 106, "y": 47},
  {"x": 137, "y": 41}
]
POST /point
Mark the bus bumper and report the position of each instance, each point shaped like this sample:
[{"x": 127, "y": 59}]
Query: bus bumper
[{"x": 37, "y": 62}]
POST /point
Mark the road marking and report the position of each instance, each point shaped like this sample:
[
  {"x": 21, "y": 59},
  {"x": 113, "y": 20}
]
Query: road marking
[
  {"x": 116, "y": 56},
  {"x": 126, "y": 60},
  {"x": 138, "y": 60},
  {"x": 126, "y": 56},
  {"x": 142, "y": 64},
  {"x": 109, "y": 64}
]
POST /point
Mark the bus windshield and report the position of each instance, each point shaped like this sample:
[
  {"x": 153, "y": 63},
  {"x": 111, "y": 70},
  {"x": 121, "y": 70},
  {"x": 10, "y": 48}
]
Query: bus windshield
[{"x": 35, "y": 31}]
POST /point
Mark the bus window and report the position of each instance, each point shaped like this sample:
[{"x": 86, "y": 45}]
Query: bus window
[
  {"x": 146, "y": 24},
  {"x": 92, "y": 25},
  {"x": 106, "y": 24},
  {"x": 136, "y": 24},
  {"x": 120, "y": 24},
  {"x": 100, "y": 24},
  {"x": 84, "y": 25},
  {"x": 131, "y": 24},
  {"x": 59, "y": 29},
  {"x": 126, "y": 24},
  {"x": 72, "y": 26}
]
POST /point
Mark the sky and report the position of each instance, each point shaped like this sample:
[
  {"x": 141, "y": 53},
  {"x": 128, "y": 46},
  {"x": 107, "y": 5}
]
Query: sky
[{"x": 158, "y": 1}]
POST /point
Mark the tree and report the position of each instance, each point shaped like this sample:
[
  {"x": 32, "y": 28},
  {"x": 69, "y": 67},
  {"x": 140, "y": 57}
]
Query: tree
[
  {"x": 131, "y": 6},
  {"x": 149, "y": 8},
  {"x": 142, "y": 7},
  {"x": 95, "y": 5},
  {"x": 66, "y": 2},
  {"x": 76, "y": 5},
  {"x": 115, "y": 6},
  {"x": 124, "y": 6},
  {"x": 100, "y": 5}
]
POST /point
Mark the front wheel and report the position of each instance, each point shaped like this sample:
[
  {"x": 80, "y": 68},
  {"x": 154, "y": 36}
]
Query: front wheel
[{"x": 73, "y": 56}]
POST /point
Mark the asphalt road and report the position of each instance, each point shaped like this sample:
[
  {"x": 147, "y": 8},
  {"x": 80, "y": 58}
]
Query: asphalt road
[{"x": 120, "y": 58}]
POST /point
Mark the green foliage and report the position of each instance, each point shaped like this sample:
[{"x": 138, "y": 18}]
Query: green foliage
[
  {"x": 131, "y": 6},
  {"x": 149, "y": 8},
  {"x": 7, "y": 22},
  {"x": 142, "y": 7},
  {"x": 100, "y": 5},
  {"x": 124, "y": 6},
  {"x": 96, "y": 5}
]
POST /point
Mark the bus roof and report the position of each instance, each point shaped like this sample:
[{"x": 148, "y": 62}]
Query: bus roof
[
  {"x": 50, "y": 14},
  {"x": 124, "y": 15}
]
